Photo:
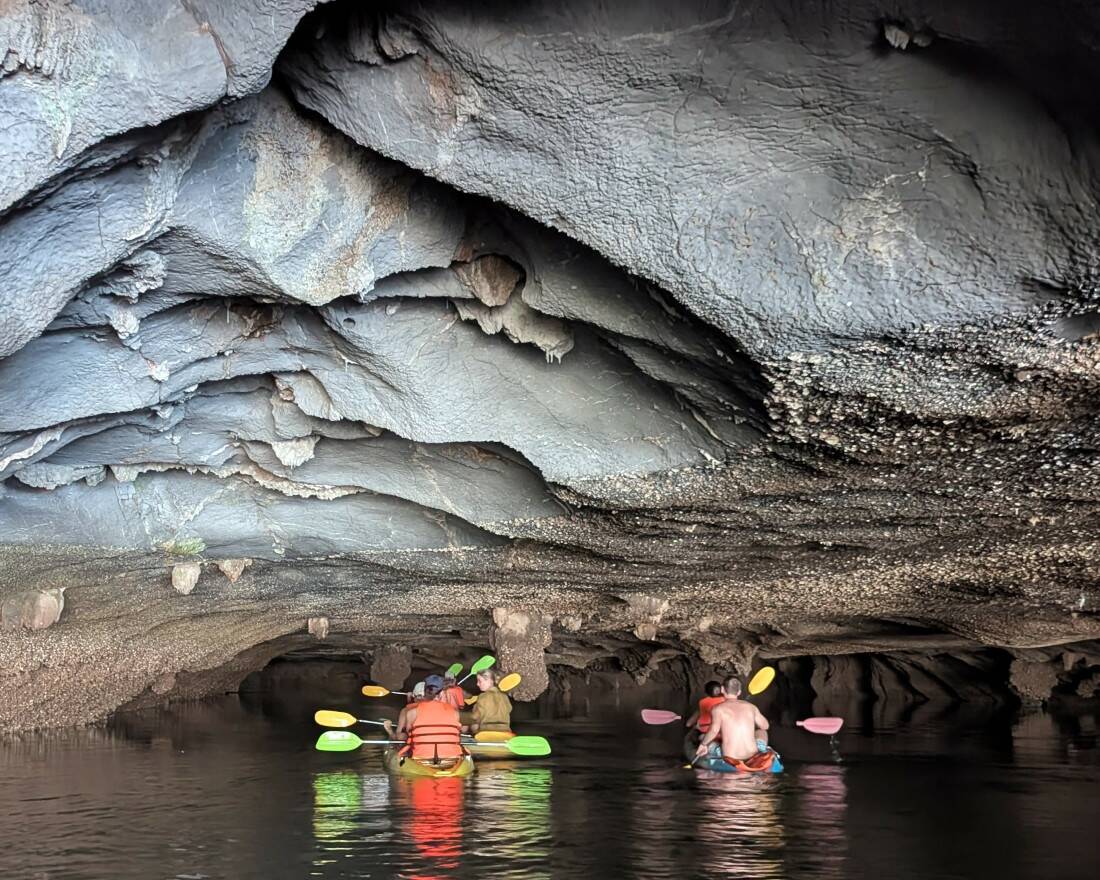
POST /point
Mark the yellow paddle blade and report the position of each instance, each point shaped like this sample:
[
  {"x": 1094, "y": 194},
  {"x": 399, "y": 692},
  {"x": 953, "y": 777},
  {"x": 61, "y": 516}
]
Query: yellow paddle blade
[
  {"x": 493, "y": 736},
  {"x": 509, "y": 681},
  {"x": 332, "y": 718},
  {"x": 375, "y": 690},
  {"x": 761, "y": 680},
  {"x": 471, "y": 699}
]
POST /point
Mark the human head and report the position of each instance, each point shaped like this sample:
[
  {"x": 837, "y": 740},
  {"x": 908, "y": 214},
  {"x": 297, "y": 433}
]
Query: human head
[
  {"x": 418, "y": 691},
  {"x": 731, "y": 686},
  {"x": 449, "y": 679},
  {"x": 433, "y": 684},
  {"x": 712, "y": 689},
  {"x": 486, "y": 680}
]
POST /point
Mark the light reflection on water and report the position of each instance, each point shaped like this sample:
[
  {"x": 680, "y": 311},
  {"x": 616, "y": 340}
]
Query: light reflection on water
[{"x": 217, "y": 790}]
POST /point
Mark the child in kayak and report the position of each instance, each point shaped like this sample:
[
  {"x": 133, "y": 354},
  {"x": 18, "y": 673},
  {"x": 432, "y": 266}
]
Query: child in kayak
[
  {"x": 453, "y": 694},
  {"x": 700, "y": 718}
]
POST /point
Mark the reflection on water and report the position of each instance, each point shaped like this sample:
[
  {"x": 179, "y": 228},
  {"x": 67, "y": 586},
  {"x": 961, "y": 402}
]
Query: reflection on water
[
  {"x": 217, "y": 790},
  {"x": 497, "y": 823}
]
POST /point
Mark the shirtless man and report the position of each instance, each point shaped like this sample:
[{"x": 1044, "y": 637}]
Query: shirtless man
[{"x": 736, "y": 725}]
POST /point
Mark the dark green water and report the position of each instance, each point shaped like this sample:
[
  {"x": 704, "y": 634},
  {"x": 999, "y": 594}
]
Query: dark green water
[{"x": 224, "y": 789}]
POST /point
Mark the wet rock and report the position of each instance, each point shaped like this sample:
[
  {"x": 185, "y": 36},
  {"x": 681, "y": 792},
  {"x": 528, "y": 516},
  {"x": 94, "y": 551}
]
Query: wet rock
[
  {"x": 1033, "y": 680},
  {"x": 391, "y": 666},
  {"x": 519, "y": 640},
  {"x": 185, "y": 575}
]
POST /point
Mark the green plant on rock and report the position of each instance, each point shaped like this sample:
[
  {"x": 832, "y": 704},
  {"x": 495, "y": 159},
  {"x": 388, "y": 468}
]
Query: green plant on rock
[{"x": 184, "y": 547}]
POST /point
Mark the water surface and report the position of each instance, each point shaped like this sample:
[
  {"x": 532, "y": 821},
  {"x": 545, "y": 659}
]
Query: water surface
[{"x": 232, "y": 789}]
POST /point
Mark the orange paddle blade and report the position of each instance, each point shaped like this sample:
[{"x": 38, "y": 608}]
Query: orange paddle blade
[{"x": 509, "y": 682}]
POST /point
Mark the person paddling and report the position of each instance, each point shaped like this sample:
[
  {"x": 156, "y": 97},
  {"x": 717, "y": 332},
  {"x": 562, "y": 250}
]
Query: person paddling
[
  {"x": 453, "y": 694},
  {"x": 738, "y": 726},
  {"x": 493, "y": 709},
  {"x": 434, "y": 729},
  {"x": 402, "y": 729}
]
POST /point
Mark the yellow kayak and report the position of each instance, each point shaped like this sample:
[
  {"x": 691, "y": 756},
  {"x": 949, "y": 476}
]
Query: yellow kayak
[
  {"x": 483, "y": 751},
  {"x": 453, "y": 768}
]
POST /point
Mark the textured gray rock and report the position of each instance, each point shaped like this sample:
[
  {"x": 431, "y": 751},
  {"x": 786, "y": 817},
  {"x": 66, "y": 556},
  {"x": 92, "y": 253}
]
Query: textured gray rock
[{"x": 772, "y": 332}]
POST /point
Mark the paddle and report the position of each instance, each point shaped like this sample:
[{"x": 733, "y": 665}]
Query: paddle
[
  {"x": 376, "y": 690},
  {"x": 480, "y": 665},
  {"x": 825, "y": 726},
  {"x": 509, "y": 682},
  {"x": 759, "y": 682},
  {"x": 332, "y": 718},
  {"x": 453, "y": 670},
  {"x": 659, "y": 716},
  {"x": 346, "y": 741}
]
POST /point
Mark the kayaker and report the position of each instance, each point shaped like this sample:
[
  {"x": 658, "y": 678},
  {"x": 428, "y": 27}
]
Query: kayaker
[
  {"x": 737, "y": 726},
  {"x": 434, "y": 730},
  {"x": 401, "y": 730},
  {"x": 452, "y": 693},
  {"x": 700, "y": 718},
  {"x": 493, "y": 709}
]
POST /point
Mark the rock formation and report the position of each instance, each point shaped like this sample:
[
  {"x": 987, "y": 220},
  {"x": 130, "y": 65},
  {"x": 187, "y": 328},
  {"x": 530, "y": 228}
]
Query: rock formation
[{"x": 723, "y": 332}]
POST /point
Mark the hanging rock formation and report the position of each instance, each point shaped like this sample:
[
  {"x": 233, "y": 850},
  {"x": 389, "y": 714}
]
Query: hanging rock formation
[{"x": 772, "y": 333}]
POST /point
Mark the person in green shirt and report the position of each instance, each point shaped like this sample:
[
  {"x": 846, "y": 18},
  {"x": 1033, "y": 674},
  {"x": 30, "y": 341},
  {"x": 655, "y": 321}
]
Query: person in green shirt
[{"x": 493, "y": 709}]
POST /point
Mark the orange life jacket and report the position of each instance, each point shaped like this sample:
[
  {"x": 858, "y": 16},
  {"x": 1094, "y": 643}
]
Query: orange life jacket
[
  {"x": 435, "y": 732},
  {"x": 454, "y": 696},
  {"x": 705, "y": 705}
]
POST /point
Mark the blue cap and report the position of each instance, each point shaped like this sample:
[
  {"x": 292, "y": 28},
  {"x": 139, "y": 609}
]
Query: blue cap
[{"x": 434, "y": 682}]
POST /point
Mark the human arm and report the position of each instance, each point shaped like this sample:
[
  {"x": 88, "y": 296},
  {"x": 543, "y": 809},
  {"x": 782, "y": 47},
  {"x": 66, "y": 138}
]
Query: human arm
[
  {"x": 711, "y": 735},
  {"x": 760, "y": 721},
  {"x": 693, "y": 718}
]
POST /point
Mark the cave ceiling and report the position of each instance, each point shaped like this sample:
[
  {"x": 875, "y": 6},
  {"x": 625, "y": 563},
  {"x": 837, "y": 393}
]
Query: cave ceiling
[{"x": 730, "y": 329}]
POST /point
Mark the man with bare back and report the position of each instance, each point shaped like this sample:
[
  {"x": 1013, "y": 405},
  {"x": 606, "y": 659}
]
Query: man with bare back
[{"x": 738, "y": 726}]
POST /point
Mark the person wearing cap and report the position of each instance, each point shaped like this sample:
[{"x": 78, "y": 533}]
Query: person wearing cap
[
  {"x": 452, "y": 694},
  {"x": 401, "y": 730},
  {"x": 434, "y": 732},
  {"x": 493, "y": 709}
]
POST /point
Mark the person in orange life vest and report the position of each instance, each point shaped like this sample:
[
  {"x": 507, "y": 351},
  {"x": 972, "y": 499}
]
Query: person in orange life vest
[
  {"x": 452, "y": 694},
  {"x": 700, "y": 718},
  {"x": 402, "y": 729},
  {"x": 434, "y": 730}
]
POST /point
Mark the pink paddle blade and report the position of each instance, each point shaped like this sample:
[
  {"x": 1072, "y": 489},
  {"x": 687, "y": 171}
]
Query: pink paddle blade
[
  {"x": 659, "y": 716},
  {"x": 826, "y": 726}
]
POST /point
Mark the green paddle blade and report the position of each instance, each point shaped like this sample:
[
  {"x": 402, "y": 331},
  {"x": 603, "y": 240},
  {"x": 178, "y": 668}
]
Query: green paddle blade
[
  {"x": 529, "y": 746},
  {"x": 453, "y": 670},
  {"x": 338, "y": 741},
  {"x": 482, "y": 664}
]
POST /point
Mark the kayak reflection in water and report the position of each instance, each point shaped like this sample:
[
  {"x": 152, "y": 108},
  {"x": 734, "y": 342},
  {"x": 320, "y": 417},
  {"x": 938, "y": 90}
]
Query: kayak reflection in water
[
  {"x": 738, "y": 726},
  {"x": 435, "y": 825}
]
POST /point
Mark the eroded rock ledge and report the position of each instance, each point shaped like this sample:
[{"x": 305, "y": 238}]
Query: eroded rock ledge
[{"x": 774, "y": 334}]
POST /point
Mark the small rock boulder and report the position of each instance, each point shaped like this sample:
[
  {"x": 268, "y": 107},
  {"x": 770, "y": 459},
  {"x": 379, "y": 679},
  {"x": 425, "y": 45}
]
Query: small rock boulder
[
  {"x": 34, "y": 609},
  {"x": 184, "y": 576},
  {"x": 233, "y": 568}
]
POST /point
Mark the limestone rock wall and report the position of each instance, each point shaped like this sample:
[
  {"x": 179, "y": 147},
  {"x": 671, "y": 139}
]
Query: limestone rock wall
[{"x": 677, "y": 330}]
